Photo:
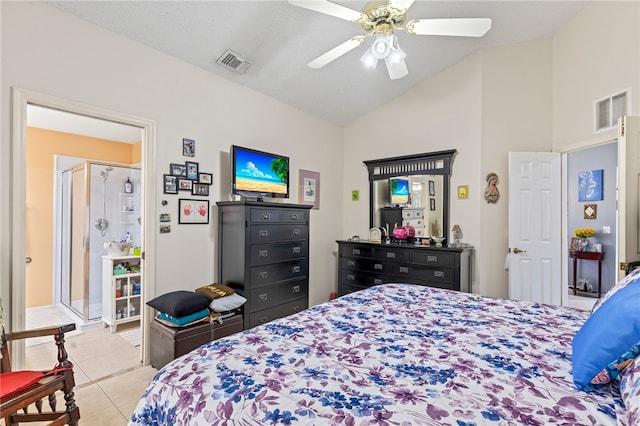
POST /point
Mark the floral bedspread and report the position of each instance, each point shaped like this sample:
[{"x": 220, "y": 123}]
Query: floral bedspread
[{"x": 395, "y": 354}]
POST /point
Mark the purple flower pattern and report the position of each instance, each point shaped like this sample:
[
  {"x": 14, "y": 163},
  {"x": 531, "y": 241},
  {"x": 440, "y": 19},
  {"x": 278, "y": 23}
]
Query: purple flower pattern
[{"x": 395, "y": 354}]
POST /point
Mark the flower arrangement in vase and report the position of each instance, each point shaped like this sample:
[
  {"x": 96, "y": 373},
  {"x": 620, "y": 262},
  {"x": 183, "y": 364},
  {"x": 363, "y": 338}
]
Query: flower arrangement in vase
[{"x": 584, "y": 234}]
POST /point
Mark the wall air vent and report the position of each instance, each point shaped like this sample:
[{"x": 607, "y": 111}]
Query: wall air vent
[
  {"x": 233, "y": 61},
  {"x": 608, "y": 110}
]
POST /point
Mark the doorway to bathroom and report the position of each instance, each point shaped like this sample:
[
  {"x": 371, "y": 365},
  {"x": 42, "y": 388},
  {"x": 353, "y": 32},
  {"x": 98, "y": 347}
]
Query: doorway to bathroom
[{"x": 97, "y": 205}]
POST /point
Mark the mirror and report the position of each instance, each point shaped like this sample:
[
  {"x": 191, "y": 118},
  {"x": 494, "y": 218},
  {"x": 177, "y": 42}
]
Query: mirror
[{"x": 419, "y": 183}]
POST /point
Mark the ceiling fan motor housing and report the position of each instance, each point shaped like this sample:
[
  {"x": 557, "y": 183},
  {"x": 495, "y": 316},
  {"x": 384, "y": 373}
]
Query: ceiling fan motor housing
[{"x": 383, "y": 20}]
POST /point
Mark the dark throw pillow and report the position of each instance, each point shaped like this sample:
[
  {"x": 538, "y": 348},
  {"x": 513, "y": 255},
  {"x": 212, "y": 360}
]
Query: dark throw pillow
[{"x": 179, "y": 303}]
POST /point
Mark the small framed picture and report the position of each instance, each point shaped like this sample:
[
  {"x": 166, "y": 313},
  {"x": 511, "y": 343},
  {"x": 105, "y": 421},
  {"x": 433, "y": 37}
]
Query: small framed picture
[
  {"x": 192, "y": 170},
  {"x": 193, "y": 211},
  {"x": 165, "y": 217},
  {"x": 165, "y": 229},
  {"x": 432, "y": 188},
  {"x": 188, "y": 147},
  {"x": 200, "y": 189},
  {"x": 170, "y": 184},
  {"x": 575, "y": 243},
  {"x": 463, "y": 191},
  {"x": 178, "y": 169},
  {"x": 590, "y": 211},
  {"x": 185, "y": 184},
  {"x": 309, "y": 188},
  {"x": 432, "y": 204},
  {"x": 205, "y": 178}
]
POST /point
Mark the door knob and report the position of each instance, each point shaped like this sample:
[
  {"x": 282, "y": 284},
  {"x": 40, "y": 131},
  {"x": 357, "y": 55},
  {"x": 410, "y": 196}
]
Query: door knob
[{"x": 517, "y": 250}]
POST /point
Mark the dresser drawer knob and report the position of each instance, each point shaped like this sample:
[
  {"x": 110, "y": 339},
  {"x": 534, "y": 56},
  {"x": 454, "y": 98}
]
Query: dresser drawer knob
[
  {"x": 377, "y": 281},
  {"x": 404, "y": 269},
  {"x": 266, "y": 216},
  {"x": 262, "y": 297},
  {"x": 263, "y": 275},
  {"x": 356, "y": 251},
  {"x": 294, "y": 216},
  {"x": 296, "y": 232},
  {"x": 391, "y": 255},
  {"x": 263, "y": 253},
  {"x": 263, "y": 233},
  {"x": 295, "y": 289},
  {"x": 296, "y": 269},
  {"x": 296, "y": 309},
  {"x": 377, "y": 267},
  {"x": 432, "y": 258},
  {"x": 351, "y": 277},
  {"x": 351, "y": 262},
  {"x": 263, "y": 320},
  {"x": 438, "y": 274},
  {"x": 297, "y": 250}
]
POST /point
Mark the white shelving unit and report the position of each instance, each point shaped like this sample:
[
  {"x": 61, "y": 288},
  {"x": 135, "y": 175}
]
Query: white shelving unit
[{"x": 121, "y": 292}]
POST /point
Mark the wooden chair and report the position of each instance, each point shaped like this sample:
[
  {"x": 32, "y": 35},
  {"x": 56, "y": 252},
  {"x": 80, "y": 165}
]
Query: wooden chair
[{"x": 30, "y": 387}]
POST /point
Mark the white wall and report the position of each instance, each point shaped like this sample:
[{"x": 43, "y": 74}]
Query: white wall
[
  {"x": 595, "y": 55},
  {"x": 516, "y": 95},
  {"x": 54, "y": 53}
]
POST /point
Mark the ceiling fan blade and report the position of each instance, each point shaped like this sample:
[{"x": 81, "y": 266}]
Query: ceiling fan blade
[
  {"x": 336, "y": 52},
  {"x": 396, "y": 69},
  {"x": 401, "y": 4},
  {"x": 465, "y": 27},
  {"x": 329, "y": 8}
]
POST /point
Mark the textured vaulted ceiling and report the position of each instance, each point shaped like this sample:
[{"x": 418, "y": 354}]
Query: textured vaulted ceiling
[{"x": 280, "y": 39}]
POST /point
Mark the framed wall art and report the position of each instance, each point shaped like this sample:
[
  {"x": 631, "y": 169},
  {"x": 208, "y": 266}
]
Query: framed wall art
[
  {"x": 200, "y": 189},
  {"x": 170, "y": 185},
  {"x": 463, "y": 191},
  {"x": 590, "y": 186},
  {"x": 178, "y": 169},
  {"x": 188, "y": 147},
  {"x": 205, "y": 178},
  {"x": 185, "y": 184},
  {"x": 192, "y": 170},
  {"x": 192, "y": 212},
  {"x": 309, "y": 188}
]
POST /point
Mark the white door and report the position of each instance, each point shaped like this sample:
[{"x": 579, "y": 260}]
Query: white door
[
  {"x": 628, "y": 184},
  {"x": 535, "y": 227}
]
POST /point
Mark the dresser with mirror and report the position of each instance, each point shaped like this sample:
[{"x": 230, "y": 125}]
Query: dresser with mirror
[{"x": 414, "y": 191}]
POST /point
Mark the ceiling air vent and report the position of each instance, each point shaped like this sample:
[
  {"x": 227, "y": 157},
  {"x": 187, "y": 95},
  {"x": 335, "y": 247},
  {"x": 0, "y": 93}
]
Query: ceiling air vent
[{"x": 233, "y": 61}]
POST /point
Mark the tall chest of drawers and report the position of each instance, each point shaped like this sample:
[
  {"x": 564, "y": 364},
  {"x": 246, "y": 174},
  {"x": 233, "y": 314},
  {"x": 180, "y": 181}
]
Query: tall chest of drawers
[
  {"x": 263, "y": 251},
  {"x": 364, "y": 264}
]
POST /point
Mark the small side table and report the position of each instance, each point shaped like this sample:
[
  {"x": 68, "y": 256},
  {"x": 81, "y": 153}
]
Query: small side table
[{"x": 587, "y": 255}]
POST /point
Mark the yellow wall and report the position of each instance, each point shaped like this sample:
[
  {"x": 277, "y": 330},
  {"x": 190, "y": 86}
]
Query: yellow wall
[{"x": 42, "y": 146}]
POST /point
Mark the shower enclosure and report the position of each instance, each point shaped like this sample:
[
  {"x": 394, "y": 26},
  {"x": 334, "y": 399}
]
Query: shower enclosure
[{"x": 94, "y": 209}]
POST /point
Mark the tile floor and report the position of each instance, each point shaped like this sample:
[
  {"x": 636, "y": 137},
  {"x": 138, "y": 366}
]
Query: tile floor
[{"x": 108, "y": 385}]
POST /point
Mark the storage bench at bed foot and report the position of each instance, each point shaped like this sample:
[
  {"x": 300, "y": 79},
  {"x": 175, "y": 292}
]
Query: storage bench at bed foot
[
  {"x": 168, "y": 343},
  {"x": 266, "y": 315}
]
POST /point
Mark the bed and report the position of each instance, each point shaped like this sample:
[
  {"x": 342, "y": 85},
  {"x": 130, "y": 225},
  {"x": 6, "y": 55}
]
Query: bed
[{"x": 394, "y": 354}]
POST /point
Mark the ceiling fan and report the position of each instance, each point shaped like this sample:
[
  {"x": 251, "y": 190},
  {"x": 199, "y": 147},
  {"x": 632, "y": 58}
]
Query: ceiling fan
[{"x": 381, "y": 19}]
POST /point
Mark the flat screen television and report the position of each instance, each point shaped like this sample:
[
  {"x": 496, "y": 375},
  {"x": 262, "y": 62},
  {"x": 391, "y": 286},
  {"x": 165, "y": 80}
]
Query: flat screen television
[
  {"x": 399, "y": 191},
  {"x": 259, "y": 174}
]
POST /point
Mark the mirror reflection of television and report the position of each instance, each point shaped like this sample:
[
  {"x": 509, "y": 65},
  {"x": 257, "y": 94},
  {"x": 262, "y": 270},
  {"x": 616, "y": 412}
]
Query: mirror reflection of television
[
  {"x": 399, "y": 191},
  {"x": 259, "y": 174}
]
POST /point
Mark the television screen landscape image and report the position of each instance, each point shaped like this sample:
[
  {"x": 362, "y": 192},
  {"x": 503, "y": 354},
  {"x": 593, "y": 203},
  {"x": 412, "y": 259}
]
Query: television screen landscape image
[{"x": 257, "y": 173}]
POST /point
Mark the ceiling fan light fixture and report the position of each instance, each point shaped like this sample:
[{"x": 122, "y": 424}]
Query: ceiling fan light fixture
[
  {"x": 381, "y": 46},
  {"x": 368, "y": 59}
]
